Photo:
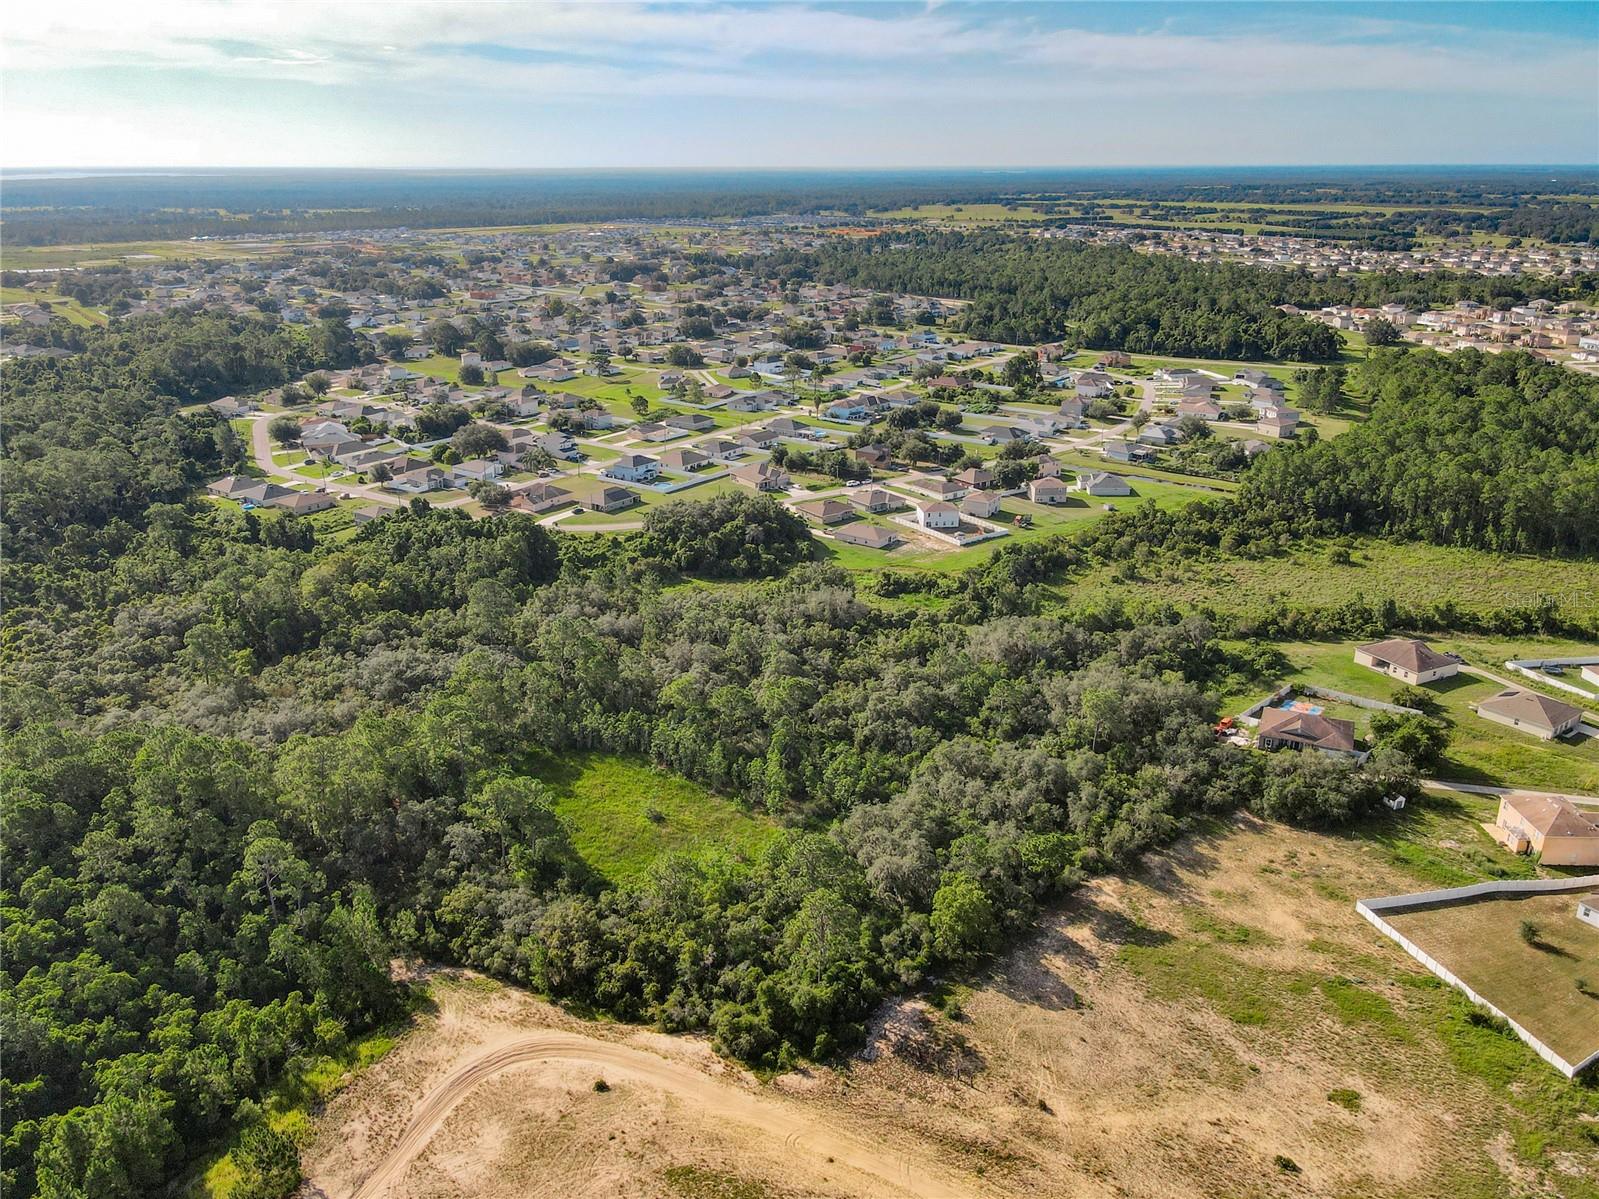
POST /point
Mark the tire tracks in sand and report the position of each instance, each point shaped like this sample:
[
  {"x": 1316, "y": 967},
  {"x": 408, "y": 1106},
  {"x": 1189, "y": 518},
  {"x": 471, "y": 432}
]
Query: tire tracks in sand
[{"x": 800, "y": 1135}]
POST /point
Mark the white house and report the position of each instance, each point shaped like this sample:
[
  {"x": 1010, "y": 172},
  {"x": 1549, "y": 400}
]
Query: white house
[
  {"x": 938, "y": 515},
  {"x": 634, "y": 468}
]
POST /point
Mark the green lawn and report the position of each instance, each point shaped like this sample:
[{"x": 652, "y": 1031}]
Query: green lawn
[
  {"x": 62, "y": 306},
  {"x": 623, "y": 814},
  {"x": 1479, "y": 751},
  {"x": 1534, "y": 984}
]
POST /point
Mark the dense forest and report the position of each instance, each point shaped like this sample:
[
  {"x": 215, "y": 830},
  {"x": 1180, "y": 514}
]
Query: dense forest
[
  {"x": 1494, "y": 451},
  {"x": 1031, "y": 290},
  {"x": 189, "y": 907}
]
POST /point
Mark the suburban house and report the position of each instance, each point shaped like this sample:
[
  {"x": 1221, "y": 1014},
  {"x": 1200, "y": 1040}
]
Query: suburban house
[
  {"x": 1411, "y": 661},
  {"x": 975, "y": 476},
  {"x": 1101, "y": 482},
  {"x": 1552, "y": 827},
  {"x": 1119, "y": 449},
  {"x": 477, "y": 470},
  {"x": 613, "y": 499},
  {"x": 938, "y": 515},
  {"x": 1048, "y": 491},
  {"x": 763, "y": 476},
  {"x": 876, "y": 499},
  {"x": 298, "y": 503},
  {"x": 634, "y": 468},
  {"x": 938, "y": 488},
  {"x": 1590, "y": 673},
  {"x": 1161, "y": 435},
  {"x": 539, "y": 497},
  {"x": 692, "y": 422},
  {"x": 1531, "y": 713},
  {"x": 415, "y": 482},
  {"x": 873, "y": 537},
  {"x": 1289, "y": 728},
  {"x": 1588, "y": 909},
  {"x": 685, "y": 459},
  {"x": 560, "y": 445},
  {"x": 981, "y": 504},
  {"x": 827, "y": 512}
]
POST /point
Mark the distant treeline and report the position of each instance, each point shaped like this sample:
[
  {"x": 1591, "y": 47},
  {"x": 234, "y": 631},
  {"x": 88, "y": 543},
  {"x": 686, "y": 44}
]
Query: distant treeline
[
  {"x": 41, "y": 210},
  {"x": 1028, "y": 291}
]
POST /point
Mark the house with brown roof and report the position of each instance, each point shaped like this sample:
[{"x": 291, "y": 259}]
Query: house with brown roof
[
  {"x": 872, "y": 537},
  {"x": 1290, "y": 728},
  {"x": 1531, "y": 713},
  {"x": 1414, "y": 662},
  {"x": 763, "y": 476},
  {"x": 1549, "y": 825},
  {"x": 876, "y": 499},
  {"x": 827, "y": 512}
]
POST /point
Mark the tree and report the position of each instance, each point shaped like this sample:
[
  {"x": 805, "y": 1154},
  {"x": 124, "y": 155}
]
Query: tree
[
  {"x": 445, "y": 337},
  {"x": 1022, "y": 373},
  {"x": 318, "y": 382},
  {"x": 962, "y": 919},
  {"x": 284, "y": 430},
  {"x": 472, "y": 374},
  {"x": 1380, "y": 331},
  {"x": 640, "y": 406},
  {"x": 491, "y": 495}
]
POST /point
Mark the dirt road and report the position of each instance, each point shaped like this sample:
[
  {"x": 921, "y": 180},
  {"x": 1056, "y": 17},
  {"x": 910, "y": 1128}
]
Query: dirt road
[{"x": 792, "y": 1131}]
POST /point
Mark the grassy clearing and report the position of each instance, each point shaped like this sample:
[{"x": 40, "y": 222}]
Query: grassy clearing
[
  {"x": 63, "y": 306},
  {"x": 1411, "y": 574},
  {"x": 1549, "y": 986},
  {"x": 623, "y": 814}
]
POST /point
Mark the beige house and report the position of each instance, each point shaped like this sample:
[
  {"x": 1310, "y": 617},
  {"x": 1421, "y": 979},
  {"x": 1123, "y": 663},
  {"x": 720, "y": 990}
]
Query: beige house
[
  {"x": 1414, "y": 662},
  {"x": 1531, "y": 713},
  {"x": 1552, "y": 827},
  {"x": 1588, "y": 909}
]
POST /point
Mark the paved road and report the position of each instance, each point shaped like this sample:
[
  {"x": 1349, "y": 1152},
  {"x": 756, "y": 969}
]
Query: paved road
[{"x": 1480, "y": 789}]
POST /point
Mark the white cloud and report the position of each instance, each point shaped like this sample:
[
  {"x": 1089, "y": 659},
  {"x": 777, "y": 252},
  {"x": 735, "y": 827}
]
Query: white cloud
[{"x": 785, "y": 50}]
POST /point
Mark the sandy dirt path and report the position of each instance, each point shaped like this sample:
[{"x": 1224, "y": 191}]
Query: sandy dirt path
[{"x": 794, "y": 1133}]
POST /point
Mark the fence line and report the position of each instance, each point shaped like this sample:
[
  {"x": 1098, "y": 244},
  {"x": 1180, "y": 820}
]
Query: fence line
[{"x": 1370, "y": 909}]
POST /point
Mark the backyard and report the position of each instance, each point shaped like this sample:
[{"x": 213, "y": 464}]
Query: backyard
[{"x": 1529, "y": 956}]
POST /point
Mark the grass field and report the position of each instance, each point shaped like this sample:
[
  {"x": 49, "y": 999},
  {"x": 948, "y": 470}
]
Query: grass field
[
  {"x": 1412, "y": 574},
  {"x": 1549, "y": 986},
  {"x": 63, "y": 306},
  {"x": 622, "y": 814}
]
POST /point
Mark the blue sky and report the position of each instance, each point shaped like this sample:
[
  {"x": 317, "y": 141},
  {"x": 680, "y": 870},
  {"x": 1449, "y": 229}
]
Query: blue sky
[{"x": 422, "y": 84}]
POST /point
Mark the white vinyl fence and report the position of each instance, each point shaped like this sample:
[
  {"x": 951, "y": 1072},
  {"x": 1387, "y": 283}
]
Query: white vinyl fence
[{"x": 1371, "y": 909}]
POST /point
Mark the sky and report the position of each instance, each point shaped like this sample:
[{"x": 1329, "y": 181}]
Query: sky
[{"x": 420, "y": 84}]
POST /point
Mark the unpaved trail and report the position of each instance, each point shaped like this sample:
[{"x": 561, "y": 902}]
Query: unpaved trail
[{"x": 800, "y": 1135}]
